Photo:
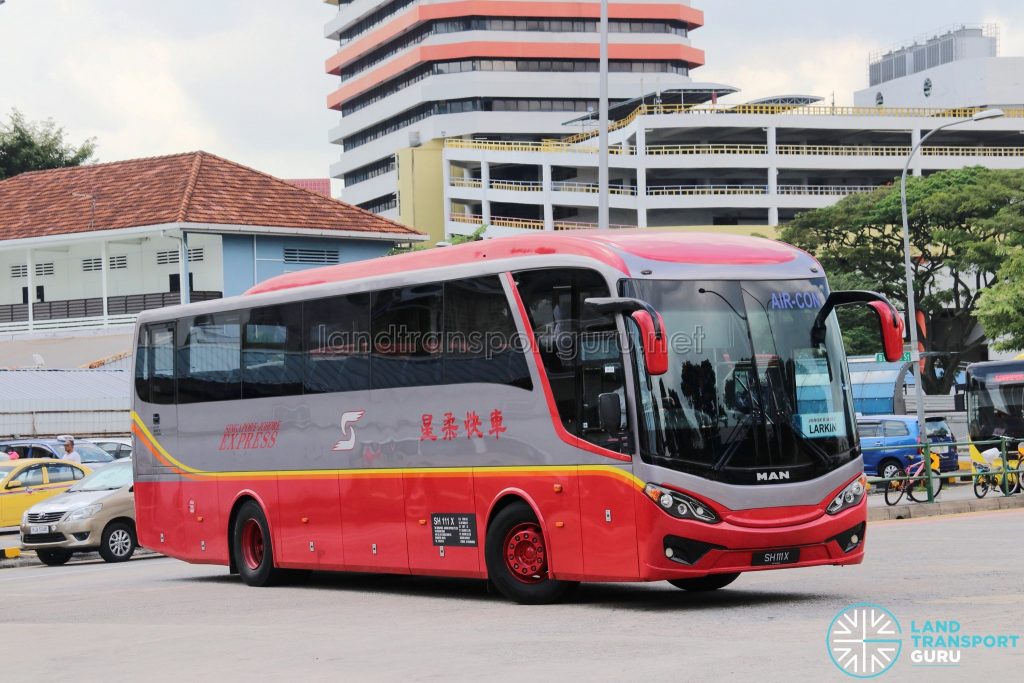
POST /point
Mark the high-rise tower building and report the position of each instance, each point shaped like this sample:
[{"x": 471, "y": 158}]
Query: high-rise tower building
[{"x": 412, "y": 72}]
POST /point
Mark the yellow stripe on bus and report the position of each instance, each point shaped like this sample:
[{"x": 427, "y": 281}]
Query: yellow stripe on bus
[{"x": 153, "y": 445}]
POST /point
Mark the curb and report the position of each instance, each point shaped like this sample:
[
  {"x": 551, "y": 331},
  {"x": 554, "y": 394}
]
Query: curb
[
  {"x": 953, "y": 507},
  {"x": 12, "y": 553}
]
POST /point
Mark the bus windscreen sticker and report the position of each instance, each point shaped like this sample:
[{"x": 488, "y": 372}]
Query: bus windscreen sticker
[
  {"x": 454, "y": 529},
  {"x": 822, "y": 425}
]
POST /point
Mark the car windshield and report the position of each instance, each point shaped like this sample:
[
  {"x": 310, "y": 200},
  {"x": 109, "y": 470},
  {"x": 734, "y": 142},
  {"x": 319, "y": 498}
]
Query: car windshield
[
  {"x": 748, "y": 397},
  {"x": 113, "y": 477},
  {"x": 92, "y": 453}
]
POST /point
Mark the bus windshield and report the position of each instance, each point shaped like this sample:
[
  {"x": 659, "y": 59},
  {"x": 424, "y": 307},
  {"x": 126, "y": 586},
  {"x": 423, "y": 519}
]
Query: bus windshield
[
  {"x": 995, "y": 401},
  {"x": 747, "y": 397}
]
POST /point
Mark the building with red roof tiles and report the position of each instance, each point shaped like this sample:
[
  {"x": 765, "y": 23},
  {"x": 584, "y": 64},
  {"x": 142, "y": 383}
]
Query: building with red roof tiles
[
  {"x": 318, "y": 185},
  {"x": 91, "y": 246}
]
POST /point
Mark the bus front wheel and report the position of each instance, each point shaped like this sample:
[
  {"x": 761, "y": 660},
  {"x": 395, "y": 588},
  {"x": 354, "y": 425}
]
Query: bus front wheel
[
  {"x": 252, "y": 548},
  {"x": 701, "y": 584},
  {"x": 518, "y": 559}
]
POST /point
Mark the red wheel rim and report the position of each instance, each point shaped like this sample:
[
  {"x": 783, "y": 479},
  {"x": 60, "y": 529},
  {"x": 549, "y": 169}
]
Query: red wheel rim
[
  {"x": 252, "y": 544},
  {"x": 525, "y": 556}
]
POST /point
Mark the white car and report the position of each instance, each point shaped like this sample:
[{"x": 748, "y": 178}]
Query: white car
[{"x": 116, "y": 446}]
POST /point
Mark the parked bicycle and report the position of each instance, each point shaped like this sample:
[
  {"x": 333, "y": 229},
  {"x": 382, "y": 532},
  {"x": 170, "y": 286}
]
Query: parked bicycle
[
  {"x": 989, "y": 474},
  {"x": 914, "y": 482}
]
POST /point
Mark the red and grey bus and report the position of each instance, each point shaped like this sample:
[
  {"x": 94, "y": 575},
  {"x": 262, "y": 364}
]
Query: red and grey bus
[{"x": 533, "y": 410}]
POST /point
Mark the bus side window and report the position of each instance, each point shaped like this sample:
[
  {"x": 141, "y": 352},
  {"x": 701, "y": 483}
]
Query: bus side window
[
  {"x": 161, "y": 364},
  {"x": 272, "y": 352},
  {"x": 210, "y": 358},
  {"x": 405, "y": 324},
  {"x": 142, "y": 365},
  {"x": 337, "y": 344},
  {"x": 480, "y": 335}
]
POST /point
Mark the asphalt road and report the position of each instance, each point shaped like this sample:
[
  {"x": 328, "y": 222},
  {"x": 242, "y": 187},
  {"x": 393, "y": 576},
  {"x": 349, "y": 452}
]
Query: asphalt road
[{"x": 160, "y": 619}]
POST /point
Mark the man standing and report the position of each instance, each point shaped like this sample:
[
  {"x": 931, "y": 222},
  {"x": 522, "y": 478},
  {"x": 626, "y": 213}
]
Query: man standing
[{"x": 69, "y": 449}]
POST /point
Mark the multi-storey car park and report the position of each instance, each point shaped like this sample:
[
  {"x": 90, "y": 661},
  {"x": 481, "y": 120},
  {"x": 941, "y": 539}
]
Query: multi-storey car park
[
  {"x": 673, "y": 164},
  {"x": 415, "y": 71},
  {"x": 678, "y": 160}
]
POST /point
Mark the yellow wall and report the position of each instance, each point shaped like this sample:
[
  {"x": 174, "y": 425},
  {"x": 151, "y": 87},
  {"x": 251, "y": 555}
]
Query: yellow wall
[{"x": 421, "y": 190}]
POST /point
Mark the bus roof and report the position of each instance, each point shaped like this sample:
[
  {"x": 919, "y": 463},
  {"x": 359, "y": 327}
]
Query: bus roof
[{"x": 615, "y": 249}]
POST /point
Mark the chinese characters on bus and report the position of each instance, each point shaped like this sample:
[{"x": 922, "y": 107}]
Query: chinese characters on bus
[{"x": 452, "y": 427}]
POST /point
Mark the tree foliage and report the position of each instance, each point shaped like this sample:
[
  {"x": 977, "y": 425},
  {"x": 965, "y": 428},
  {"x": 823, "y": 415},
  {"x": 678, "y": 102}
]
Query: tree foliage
[
  {"x": 961, "y": 223},
  {"x": 36, "y": 145},
  {"x": 1001, "y": 308}
]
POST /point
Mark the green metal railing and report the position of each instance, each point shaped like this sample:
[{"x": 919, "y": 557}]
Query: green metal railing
[{"x": 1007, "y": 451}]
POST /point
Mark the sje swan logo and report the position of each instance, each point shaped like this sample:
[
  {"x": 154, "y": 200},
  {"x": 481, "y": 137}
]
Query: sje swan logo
[{"x": 348, "y": 430}]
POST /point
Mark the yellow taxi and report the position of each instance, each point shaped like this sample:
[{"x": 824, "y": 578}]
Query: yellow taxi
[{"x": 25, "y": 482}]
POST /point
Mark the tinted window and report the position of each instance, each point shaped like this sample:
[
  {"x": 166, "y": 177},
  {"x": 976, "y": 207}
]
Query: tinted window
[
  {"x": 868, "y": 430},
  {"x": 210, "y": 358},
  {"x": 580, "y": 350},
  {"x": 406, "y": 337},
  {"x": 33, "y": 476},
  {"x": 272, "y": 352},
  {"x": 938, "y": 429},
  {"x": 59, "y": 473},
  {"x": 161, "y": 364},
  {"x": 40, "y": 452},
  {"x": 482, "y": 343},
  {"x": 142, "y": 365},
  {"x": 893, "y": 428},
  {"x": 337, "y": 343}
]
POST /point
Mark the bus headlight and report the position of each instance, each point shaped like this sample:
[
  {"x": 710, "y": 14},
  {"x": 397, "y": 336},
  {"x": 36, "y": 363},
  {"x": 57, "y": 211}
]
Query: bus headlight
[
  {"x": 680, "y": 505},
  {"x": 848, "y": 497}
]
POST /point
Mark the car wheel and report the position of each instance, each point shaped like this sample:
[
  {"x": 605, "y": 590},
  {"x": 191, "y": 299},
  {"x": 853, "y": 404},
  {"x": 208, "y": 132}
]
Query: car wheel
[
  {"x": 889, "y": 469},
  {"x": 118, "y": 542},
  {"x": 702, "y": 584},
  {"x": 53, "y": 558},
  {"x": 517, "y": 558}
]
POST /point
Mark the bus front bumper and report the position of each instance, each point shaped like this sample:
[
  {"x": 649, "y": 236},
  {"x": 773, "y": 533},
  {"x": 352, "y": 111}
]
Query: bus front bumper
[{"x": 677, "y": 549}]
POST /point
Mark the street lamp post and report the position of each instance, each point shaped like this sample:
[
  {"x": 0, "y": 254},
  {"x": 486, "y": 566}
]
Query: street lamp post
[
  {"x": 915, "y": 353},
  {"x": 602, "y": 117}
]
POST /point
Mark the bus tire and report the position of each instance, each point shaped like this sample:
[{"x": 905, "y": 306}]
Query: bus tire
[
  {"x": 703, "y": 584},
  {"x": 252, "y": 548},
  {"x": 517, "y": 558}
]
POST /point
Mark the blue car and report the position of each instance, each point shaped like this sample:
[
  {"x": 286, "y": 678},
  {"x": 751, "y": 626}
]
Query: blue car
[{"x": 889, "y": 442}]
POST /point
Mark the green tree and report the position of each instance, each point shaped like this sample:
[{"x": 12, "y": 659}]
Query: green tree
[
  {"x": 1001, "y": 308},
  {"x": 961, "y": 222},
  {"x": 32, "y": 146}
]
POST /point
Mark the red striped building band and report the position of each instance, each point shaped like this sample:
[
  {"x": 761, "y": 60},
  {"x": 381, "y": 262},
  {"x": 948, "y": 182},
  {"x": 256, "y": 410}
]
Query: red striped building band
[
  {"x": 533, "y": 410},
  {"x": 412, "y": 71}
]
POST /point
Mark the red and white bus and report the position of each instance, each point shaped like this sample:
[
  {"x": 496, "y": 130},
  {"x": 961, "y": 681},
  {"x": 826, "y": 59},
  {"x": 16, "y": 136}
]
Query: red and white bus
[{"x": 536, "y": 410}]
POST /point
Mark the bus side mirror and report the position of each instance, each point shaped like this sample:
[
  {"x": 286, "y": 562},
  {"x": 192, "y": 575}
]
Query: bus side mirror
[
  {"x": 892, "y": 329},
  {"x": 655, "y": 345},
  {"x": 891, "y": 321}
]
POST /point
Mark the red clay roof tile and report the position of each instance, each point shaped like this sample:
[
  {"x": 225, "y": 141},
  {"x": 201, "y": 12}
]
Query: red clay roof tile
[{"x": 196, "y": 187}]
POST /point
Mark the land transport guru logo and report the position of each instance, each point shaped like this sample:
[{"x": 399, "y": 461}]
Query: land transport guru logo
[{"x": 866, "y": 640}]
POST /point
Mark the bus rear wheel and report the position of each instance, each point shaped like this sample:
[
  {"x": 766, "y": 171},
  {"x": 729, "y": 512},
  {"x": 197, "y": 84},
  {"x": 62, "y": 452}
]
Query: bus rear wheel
[
  {"x": 517, "y": 558},
  {"x": 702, "y": 584},
  {"x": 252, "y": 548}
]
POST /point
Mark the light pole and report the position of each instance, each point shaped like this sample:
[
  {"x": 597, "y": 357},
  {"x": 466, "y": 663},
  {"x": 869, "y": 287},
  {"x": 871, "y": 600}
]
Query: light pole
[
  {"x": 602, "y": 118},
  {"x": 915, "y": 354}
]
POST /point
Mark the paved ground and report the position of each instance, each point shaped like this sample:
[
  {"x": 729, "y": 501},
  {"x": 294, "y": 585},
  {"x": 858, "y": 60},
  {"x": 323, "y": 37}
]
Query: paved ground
[{"x": 166, "y": 620}]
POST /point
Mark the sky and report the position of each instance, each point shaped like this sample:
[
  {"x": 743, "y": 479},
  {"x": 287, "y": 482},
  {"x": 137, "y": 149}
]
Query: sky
[{"x": 245, "y": 79}]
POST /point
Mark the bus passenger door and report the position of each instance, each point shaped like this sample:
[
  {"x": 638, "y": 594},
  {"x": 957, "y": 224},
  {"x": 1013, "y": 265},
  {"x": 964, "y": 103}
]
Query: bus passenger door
[
  {"x": 373, "y": 522},
  {"x": 159, "y": 512},
  {"x": 441, "y": 524}
]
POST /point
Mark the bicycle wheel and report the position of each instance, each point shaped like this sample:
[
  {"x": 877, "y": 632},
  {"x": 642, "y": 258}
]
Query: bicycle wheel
[
  {"x": 894, "y": 489},
  {"x": 981, "y": 486},
  {"x": 918, "y": 492}
]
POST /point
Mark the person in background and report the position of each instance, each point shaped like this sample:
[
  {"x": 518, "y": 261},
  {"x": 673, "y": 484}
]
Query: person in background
[
  {"x": 69, "y": 449},
  {"x": 13, "y": 455}
]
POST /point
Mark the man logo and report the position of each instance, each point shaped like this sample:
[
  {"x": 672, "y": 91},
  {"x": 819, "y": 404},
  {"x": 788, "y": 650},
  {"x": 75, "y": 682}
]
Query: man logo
[
  {"x": 773, "y": 476},
  {"x": 348, "y": 431},
  {"x": 864, "y": 640}
]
